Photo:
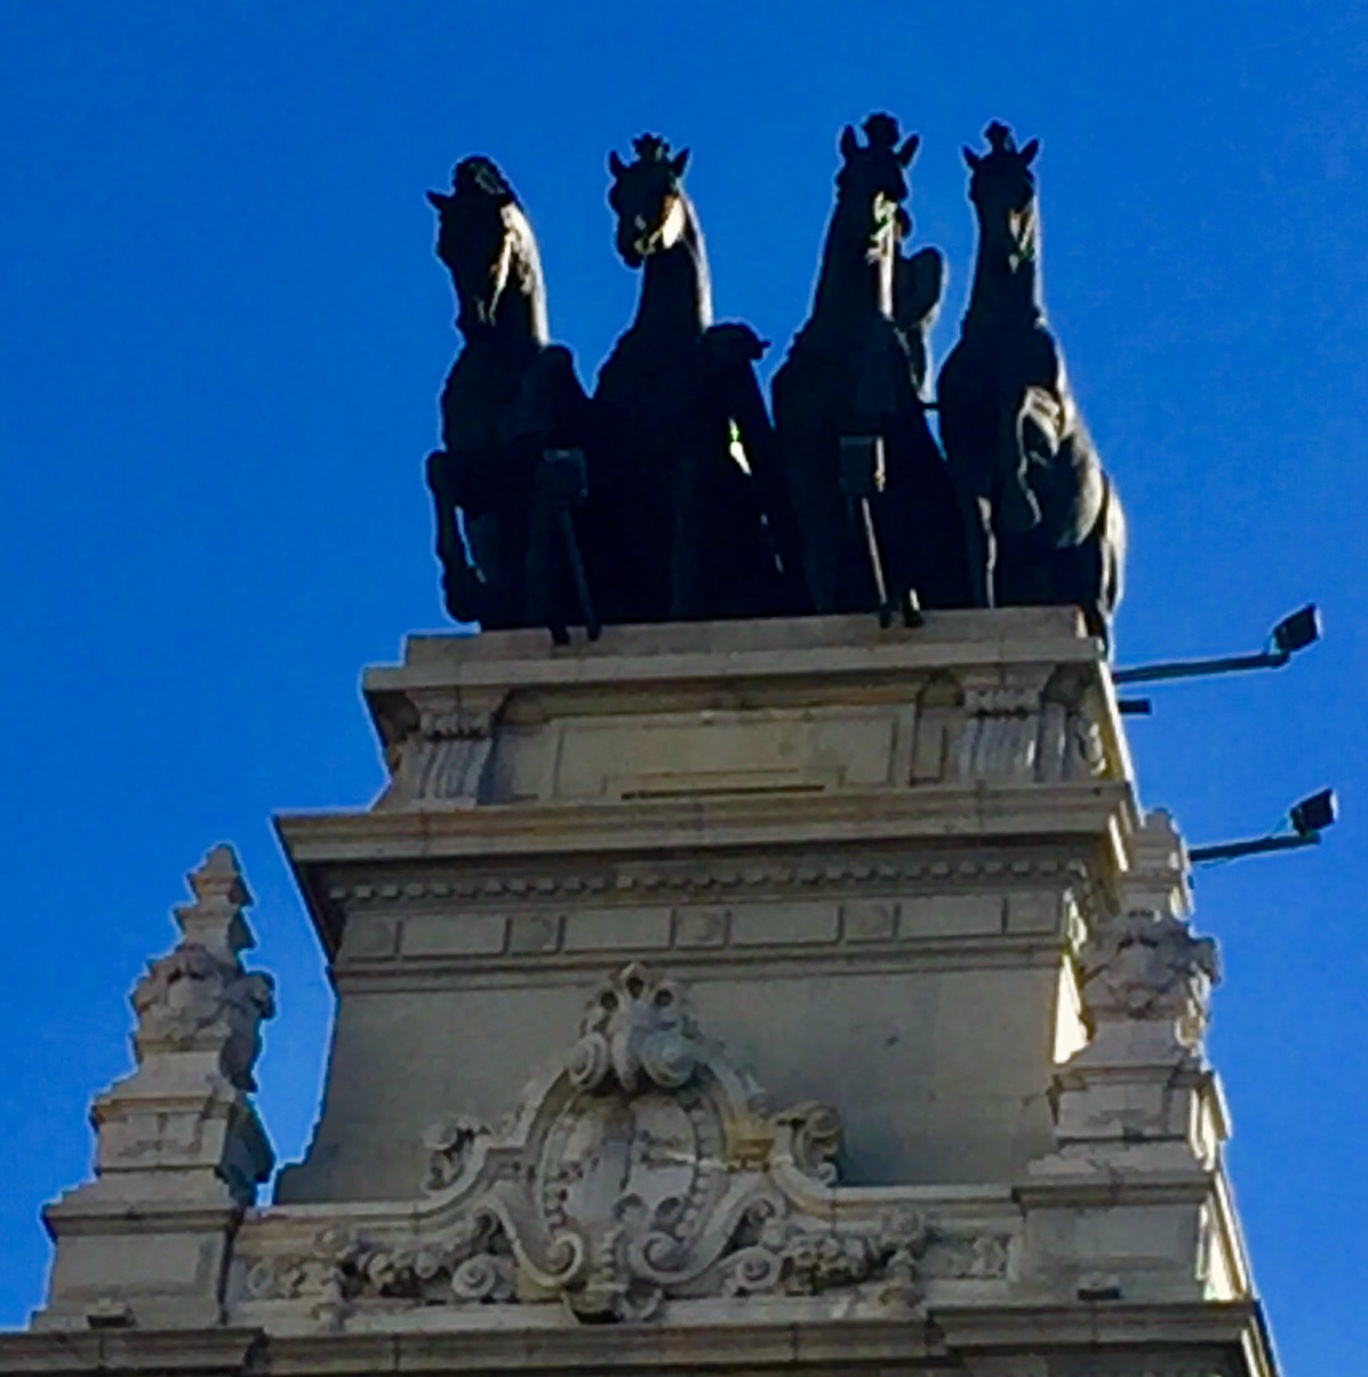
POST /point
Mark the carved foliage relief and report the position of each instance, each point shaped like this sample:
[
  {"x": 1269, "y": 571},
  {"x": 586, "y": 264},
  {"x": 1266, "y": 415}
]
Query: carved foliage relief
[{"x": 644, "y": 1168}]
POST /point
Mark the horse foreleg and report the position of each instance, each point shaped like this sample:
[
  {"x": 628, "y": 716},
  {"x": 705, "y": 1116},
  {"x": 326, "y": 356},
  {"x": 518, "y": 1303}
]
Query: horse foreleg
[{"x": 462, "y": 585}]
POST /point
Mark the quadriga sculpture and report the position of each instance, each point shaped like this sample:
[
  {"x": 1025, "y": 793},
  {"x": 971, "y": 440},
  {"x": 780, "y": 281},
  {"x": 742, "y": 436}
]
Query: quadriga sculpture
[
  {"x": 1045, "y": 523},
  {"x": 853, "y": 375},
  {"x": 510, "y": 399},
  {"x": 687, "y": 513}
]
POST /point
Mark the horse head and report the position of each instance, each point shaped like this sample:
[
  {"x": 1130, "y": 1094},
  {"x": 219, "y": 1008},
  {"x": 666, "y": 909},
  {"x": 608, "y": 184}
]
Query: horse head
[
  {"x": 873, "y": 178},
  {"x": 1002, "y": 188},
  {"x": 486, "y": 241},
  {"x": 648, "y": 199}
]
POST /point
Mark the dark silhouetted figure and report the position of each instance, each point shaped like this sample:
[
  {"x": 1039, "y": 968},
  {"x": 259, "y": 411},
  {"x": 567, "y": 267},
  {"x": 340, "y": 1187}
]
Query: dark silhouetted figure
[
  {"x": 1045, "y": 524},
  {"x": 687, "y": 514},
  {"x": 871, "y": 491},
  {"x": 513, "y": 413}
]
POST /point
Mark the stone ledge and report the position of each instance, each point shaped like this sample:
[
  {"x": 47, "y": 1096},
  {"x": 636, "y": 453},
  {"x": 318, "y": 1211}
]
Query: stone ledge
[
  {"x": 341, "y": 860},
  {"x": 1211, "y": 1338},
  {"x": 968, "y": 812},
  {"x": 849, "y": 646}
]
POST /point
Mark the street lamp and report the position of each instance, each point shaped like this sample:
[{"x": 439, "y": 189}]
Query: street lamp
[
  {"x": 1295, "y": 632},
  {"x": 1307, "y": 819}
]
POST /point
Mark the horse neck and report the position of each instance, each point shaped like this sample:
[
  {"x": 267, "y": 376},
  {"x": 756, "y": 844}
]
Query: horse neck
[
  {"x": 676, "y": 291},
  {"x": 850, "y": 289},
  {"x": 520, "y": 320},
  {"x": 1006, "y": 276}
]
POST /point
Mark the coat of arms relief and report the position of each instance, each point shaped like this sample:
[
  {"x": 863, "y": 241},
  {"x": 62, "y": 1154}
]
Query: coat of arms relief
[{"x": 643, "y": 1168}]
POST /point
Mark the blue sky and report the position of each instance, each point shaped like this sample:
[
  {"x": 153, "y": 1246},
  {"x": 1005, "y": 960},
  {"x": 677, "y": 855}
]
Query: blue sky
[{"x": 222, "y": 332}]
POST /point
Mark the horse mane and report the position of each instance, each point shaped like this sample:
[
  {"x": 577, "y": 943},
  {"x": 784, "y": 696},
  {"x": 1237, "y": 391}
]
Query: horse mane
[{"x": 526, "y": 272}]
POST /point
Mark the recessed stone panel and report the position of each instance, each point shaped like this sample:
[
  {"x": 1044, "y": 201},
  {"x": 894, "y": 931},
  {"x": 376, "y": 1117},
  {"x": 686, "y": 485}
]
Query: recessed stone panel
[
  {"x": 625, "y": 929},
  {"x": 454, "y": 934},
  {"x": 368, "y": 939},
  {"x": 783, "y": 924},
  {"x": 951, "y": 915},
  {"x": 534, "y": 932}
]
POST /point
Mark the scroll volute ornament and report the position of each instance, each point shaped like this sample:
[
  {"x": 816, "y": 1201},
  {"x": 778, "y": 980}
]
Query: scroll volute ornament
[{"x": 638, "y": 1032}]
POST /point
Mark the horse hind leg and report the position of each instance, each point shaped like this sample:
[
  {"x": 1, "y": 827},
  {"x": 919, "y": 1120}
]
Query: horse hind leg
[{"x": 1091, "y": 573}]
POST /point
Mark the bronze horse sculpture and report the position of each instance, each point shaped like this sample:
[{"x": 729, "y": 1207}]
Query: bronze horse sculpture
[
  {"x": 687, "y": 514},
  {"x": 855, "y": 370},
  {"x": 1044, "y": 521},
  {"x": 510, "y": 399}
]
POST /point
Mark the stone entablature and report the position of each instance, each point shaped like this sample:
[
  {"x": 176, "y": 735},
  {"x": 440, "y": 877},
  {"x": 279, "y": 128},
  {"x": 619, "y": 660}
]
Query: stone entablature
[{"x": 805, "y": 707}]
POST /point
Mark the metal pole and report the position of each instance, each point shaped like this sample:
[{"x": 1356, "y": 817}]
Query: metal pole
[
  {"x": 1232, "y": 851},
  {"x": 1192, "y": 669}
]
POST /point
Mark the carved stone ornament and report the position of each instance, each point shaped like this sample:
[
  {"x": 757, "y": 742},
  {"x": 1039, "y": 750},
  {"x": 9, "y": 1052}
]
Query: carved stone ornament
[
  {"x": 440, "y": 756},
  {"x": 1147, "y": 965},
  {"x": 644, "y": 1168},
  {"x": 199, "y": 997}
]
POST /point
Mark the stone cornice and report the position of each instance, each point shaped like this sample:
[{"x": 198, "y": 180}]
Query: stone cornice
[
  {"x": 550, "y": 843},
  {"x": 842, "y": 647},
  {"x": 949, "y": 1339},
  {"x": 959, "y": 813},
  {"x": 226, "y": 1350}
]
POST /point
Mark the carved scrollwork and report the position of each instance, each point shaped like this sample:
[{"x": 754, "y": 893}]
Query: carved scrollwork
[
  {"x": 643, "y": 1169},
  {"x": 472, "y": 1263},
  {"x": 778, "y": 1253},
  {"x": 637, "y": 1032},
  {"x": 448, "y": 1147}
]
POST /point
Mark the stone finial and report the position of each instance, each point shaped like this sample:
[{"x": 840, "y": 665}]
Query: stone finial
[
  {"x": 1157, "y": 877},
  {"x": 215, "y": 920},
  {"x": 179, "y": 1149},
  {"x": 199, "y": 998}
]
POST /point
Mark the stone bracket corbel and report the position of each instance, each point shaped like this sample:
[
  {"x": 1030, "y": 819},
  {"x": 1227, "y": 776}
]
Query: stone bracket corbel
[{"x": 443, "y": 759}]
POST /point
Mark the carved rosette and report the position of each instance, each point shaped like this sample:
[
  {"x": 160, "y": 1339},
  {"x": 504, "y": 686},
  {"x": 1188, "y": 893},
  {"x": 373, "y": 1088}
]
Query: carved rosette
[{"x": 642, "y": 1169}]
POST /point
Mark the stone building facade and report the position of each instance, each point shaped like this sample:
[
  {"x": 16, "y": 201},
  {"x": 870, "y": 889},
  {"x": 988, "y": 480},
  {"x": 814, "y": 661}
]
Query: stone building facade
[{"x": 787, "y": 996}]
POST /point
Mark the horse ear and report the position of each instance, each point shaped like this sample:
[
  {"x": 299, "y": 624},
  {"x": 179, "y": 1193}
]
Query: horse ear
[
  {"x": 972, "y": 158},
  {"x": 850, "y": 145},
  {"x": 909, "y": 150},
  {"x": 615, "y": 164},
  {"x": 1028, "y": 153},
  {"x": 679, "y": 162}
]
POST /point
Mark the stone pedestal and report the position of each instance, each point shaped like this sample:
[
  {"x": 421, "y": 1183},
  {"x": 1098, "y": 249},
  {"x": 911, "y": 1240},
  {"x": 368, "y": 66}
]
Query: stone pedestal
[{"x": 784, "y": 996}]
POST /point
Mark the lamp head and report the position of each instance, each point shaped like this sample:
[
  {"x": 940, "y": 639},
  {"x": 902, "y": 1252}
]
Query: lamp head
[
  {"x": 1313, "y": 814},
  {"x": 1297, "y": 631}
]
